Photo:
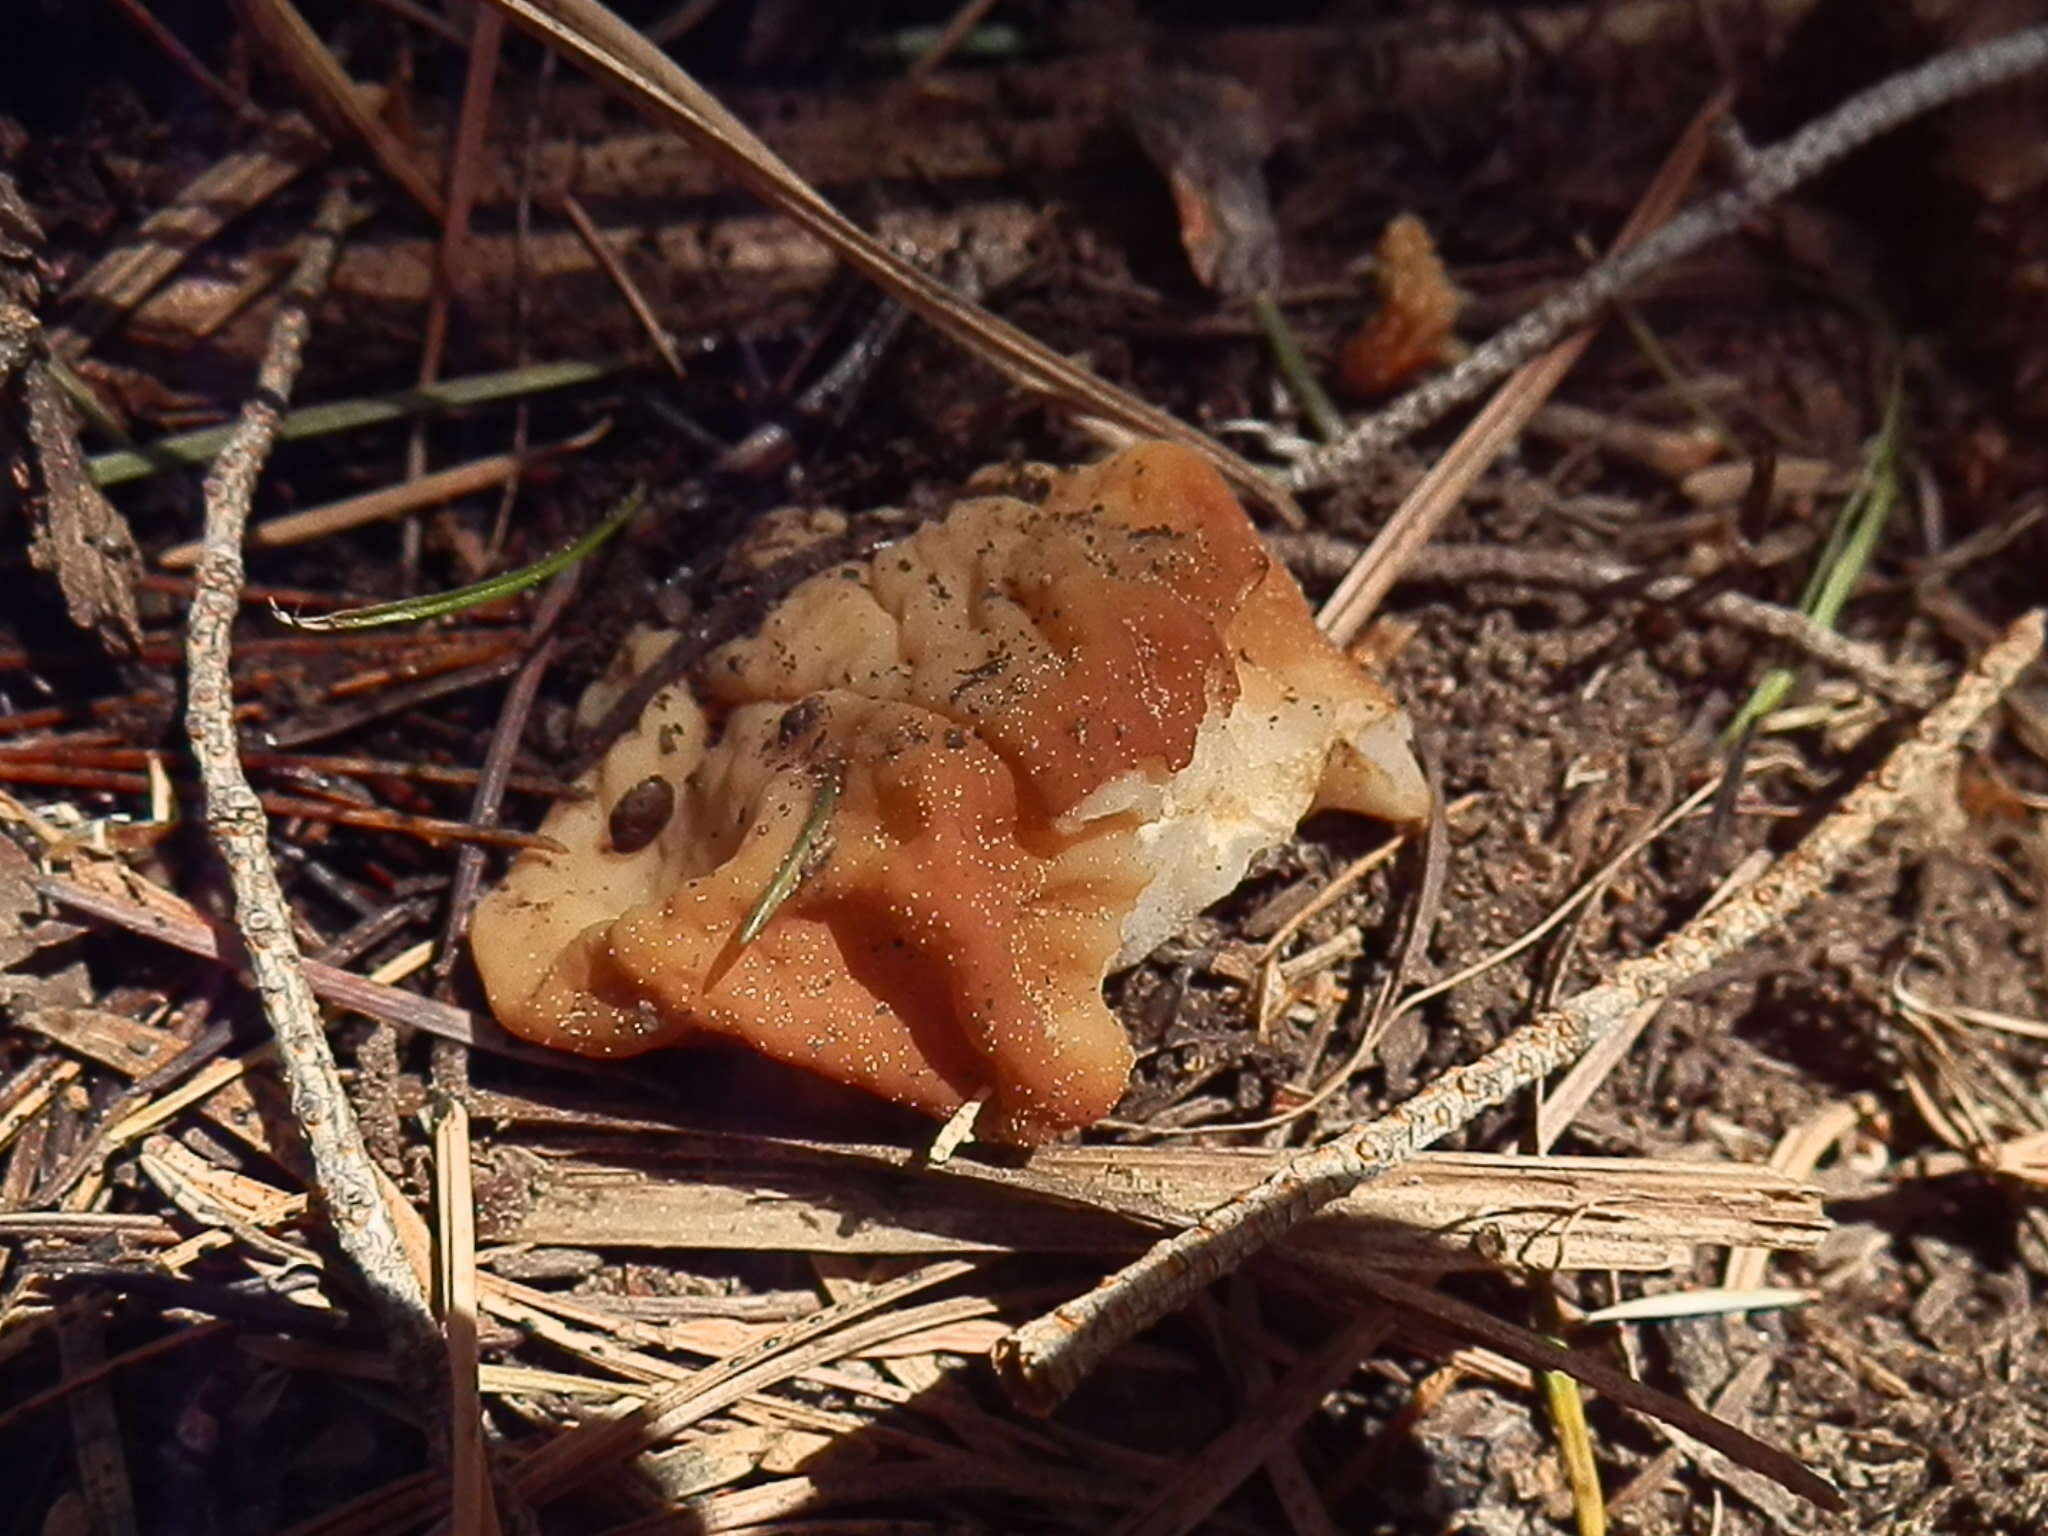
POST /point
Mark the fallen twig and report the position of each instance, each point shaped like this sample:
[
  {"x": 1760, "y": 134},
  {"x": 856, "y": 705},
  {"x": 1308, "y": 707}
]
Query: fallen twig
[
  {"x": 345, "y": 1177},
  {"x": 1043, "y": 1361},
  {"x": 1770, "y": 174}
]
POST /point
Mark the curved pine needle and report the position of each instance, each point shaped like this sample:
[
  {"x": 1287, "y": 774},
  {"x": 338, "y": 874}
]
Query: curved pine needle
[
  {"x": 432, "y": 605},
  {"x": 795, "y": 864}
]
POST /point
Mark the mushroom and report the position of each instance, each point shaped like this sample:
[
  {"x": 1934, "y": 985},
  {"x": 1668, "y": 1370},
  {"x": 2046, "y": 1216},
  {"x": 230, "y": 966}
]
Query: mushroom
[{"x": 992, "y": 763}]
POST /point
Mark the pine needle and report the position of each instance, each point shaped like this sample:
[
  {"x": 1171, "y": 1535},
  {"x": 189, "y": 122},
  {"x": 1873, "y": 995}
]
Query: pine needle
[
  {"x": 434, "y": 605},
  {"x": 790, "y": 872}
]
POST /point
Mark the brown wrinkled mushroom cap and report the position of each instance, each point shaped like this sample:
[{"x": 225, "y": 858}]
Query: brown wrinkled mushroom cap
[{"x": 1058, "y": 730}]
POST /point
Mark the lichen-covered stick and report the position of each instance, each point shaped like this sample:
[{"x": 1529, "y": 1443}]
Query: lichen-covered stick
[
  {"x": 1769, "y": 175},
  {"x": 341, "y": 1166},
  {"x": 1043, "y": 1361}
]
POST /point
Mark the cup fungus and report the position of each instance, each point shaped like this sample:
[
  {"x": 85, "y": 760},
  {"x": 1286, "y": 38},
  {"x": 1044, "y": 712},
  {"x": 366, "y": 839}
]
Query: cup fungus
[{"x": 982, "y": 768}]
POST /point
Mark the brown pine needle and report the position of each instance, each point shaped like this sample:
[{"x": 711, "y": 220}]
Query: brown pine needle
[
  {"x": 459, "y": 480},
  {"x": 333, "y": 96},
  {"x": 598, "y": 40}
]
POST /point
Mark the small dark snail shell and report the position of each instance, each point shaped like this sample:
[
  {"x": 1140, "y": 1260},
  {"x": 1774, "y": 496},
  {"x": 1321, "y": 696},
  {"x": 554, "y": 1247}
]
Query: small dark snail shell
[{"x": 641, "y": 813}]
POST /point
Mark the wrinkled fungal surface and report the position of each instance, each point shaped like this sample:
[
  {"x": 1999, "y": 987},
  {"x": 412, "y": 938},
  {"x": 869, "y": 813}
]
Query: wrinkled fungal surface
[{"x": 1056, "y": 732}]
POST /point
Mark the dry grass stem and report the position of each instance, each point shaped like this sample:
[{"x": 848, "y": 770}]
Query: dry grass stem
[
  {"x": 390, "y": 501},
  {"x": 600, "y": 41},
  {"x": 1449, "y": 1211},
  {"x": 1044, "y": 1360},
  {"x": 475, "y": 1511},
  {"x": 1494, "y": 430},
  {"x": 344, "y": 1174},
  {"x": 1770, "y": 174}
]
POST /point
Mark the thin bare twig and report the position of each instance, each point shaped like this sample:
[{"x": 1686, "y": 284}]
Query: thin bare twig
[
  {"x": 341, "y": 1166},
  {"x": 615, "y": 271},
  {"x": 1043, "y": 1361},
  {"x": 1770, "y": 175}
]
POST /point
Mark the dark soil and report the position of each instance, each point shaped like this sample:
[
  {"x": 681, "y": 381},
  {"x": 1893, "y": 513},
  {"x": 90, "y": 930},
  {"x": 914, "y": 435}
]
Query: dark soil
[{"x": 1561, "y": 724}]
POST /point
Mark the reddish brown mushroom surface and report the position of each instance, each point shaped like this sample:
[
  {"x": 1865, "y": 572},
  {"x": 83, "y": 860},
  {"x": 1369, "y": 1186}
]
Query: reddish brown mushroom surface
[{"x": 1056, "y": 731}]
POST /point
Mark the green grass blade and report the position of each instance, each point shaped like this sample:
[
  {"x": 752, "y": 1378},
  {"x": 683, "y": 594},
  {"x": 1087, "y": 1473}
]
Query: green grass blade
[
  {"x": 432, "y": 605},
  {"x": 789, "y": 873},
  {"x": 189, "y": 450},
  {"x": 1843, "y": 556}
]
